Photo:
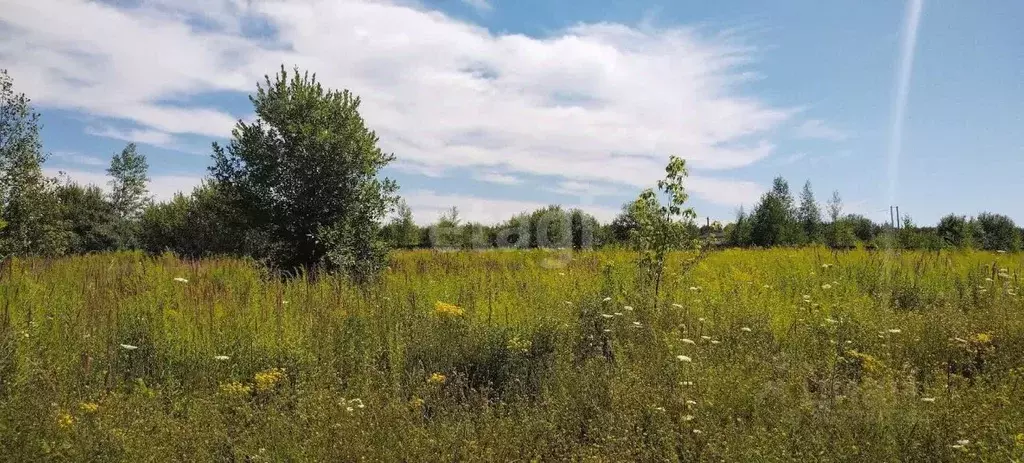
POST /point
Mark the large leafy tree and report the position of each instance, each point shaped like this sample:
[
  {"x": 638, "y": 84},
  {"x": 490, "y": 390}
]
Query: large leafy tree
[
  {"x": 90, "y": 217},
  {"x": 303, "y": 176},
  {"x": 773, "y": 222},
  {"x": 27, "y": 197},
  {"x": 809, "y": 214},
  {"x": 128, "y": 193},
  {"x": 955, "y": 231},
  {"x": 997, "y": 232}
]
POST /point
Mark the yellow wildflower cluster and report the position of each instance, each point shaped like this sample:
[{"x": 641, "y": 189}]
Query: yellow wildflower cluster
[
  {"x": 982, "y": 338},
  {"x": 437, "y": 378},
  {"x": 65, "y": 420},
  {"x": 444, "y": 308},
  {"x": 235, "y": 389},
  {"x": 1019, "y": 440},
  {"x": 867, "y": 362},
  {"x": 416, "y": 403},
  {"x": 268, "y": 380},
  {"x": 89, "y": 407}
]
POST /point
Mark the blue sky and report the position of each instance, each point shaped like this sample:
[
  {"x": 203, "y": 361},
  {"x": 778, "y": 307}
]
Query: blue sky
[{"x": 502, "y": 106}]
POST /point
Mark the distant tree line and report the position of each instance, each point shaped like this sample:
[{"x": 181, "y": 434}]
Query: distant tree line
[
  {"x": 298, "y": 188},
  {"x": 778, "y": 220}
]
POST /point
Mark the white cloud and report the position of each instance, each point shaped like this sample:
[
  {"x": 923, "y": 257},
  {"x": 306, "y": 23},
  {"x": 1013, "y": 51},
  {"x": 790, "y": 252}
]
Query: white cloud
[
  {"x": 817, "y": 129},
  {"x": 80, "y": 159},
  {"x": 147, "y": 136},
  {"x": 497, "y": 177},
  {"x": 161, "y": 187},
  {"x": 479, "y": 5},
  {"x": 725, "y": 192},
  {"x": 595, "y": 102},
  {"x": 428, "y": 205}
]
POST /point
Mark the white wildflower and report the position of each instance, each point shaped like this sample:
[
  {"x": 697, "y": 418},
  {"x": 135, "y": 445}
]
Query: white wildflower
[
  {"x": 826, "y": 286},
  {"x": 606, "y": 299},
  {"x": 180, "y": 280},
  {"x": 745, "y": 329},
  {"x": 928, "y": 399},
  {"x": 894, "y": 330},
  {"x": 688, "y": 418},
  {"x": 687, "y": 341},
  {"x": 628, "y": 307},
  {"x": 706, "y": 338},
  {"x": 618, "y": 314},
  {"x": 698, "y": 431},
  {"x": 691, "y": 403},
  {"x": 683, "y": 358},
  {"x": 694, "y": 288},
  {"x": 715, "y": 341},
  {"x": 687, "y": 383},
  {"x": 221, "y": 358},
  {"x": 678, "y": 306},
  {"x": 129, "y": 347},
  {"x": 963, "y": 442},
  {"x": 637, "y": 325},
  {"x": 831, "y": 320},
  {"x": 607, "y": 315},
  {"x": 660, "y": 409}
]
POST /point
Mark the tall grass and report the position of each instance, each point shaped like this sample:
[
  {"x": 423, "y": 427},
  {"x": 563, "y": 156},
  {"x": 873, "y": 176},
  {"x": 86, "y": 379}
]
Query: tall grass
[{"x": 516, "y": 356}]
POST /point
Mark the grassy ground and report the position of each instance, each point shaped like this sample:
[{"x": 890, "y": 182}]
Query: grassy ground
[{"x": 517, "y": 356}]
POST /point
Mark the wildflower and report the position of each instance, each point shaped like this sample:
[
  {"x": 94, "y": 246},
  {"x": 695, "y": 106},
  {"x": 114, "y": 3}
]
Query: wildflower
[
  {"x": 416, "y": 402},
  {"x": 349, "y": 409},
  {"x": 180, "y": 280},
  {"x": 831, "y": 320},
  {"x": 606, "y": 330},
  {"x": 1019, "y": 440},
  {"x": 606, "y": 299},
  {"x": 894, "y": 330},
  {"x": 715, "y": 341},
  {"x": 745, "y": 329},
  {"x": 698, "y": 431},
  {"x": 826, "y": 286},
  {"x": 962, "y": 443},
  {"x": 687, "y": 383},
  {"x": 688, "y": 418},
  {"x": 807, "y": 297},
  {"x": 284, "y": 301},
  {"x": 706, "y": 338},
  {"x": 129, "y": 347},
  {"x": 701, "y": 319},
  {"x": 235, "y": 389},
  {"x": 628, "y": 308},
  {"x": 607, "y": 315},
  {"x": 89, "y": 407},
  {"x": 444, "y": 308},
  {"x": 358, "y": 403},
  {"x": 983, "y": 338},
  {"x": 928, "y": 399},
  {"x": 694, "y": 288},
  {"x": 660, "y": 409},
  {"x": 268, "y": 380},
  {"x": 988, "y": 279},
  {"x": 618, "y": 314},
  {"x": 437, "y": 378},
  {"x": 683, "y": 358},
  {"x": 687, "y": 341},
  {"x": 568, "y": 303},
  {"x": 221, "y": 358},
  {"x": 1001, "y": 251},
  {"x": 65, "y": 420},
  {"x": 826, "y": 265},
  {"x": 767, "y": 287},
  {"x": 691, "y": 402},
  {"x": 637, "y": 325},
  {"x": 678, "y": 306}
]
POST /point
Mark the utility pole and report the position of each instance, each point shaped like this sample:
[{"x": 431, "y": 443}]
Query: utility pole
[
  {"x": 898, "y": 226},
  {"x": 892, "y": 219}
]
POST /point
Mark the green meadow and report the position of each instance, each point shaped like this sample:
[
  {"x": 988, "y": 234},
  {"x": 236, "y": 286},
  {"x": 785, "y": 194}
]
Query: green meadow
[{"x": 743, "y": 355}]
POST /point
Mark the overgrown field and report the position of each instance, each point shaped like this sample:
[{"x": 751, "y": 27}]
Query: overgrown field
[{"x": 517, "y": 356}]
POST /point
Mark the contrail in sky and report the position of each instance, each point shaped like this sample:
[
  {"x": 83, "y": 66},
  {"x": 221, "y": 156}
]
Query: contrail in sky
[{"x": 902, "y": 87}]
